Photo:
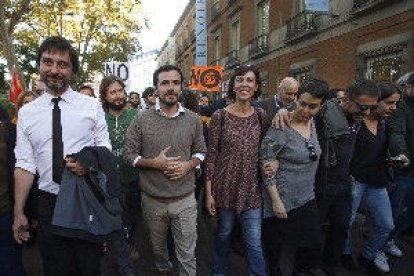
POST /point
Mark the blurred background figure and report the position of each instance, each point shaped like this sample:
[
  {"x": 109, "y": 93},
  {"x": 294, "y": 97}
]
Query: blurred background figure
[
  {"x": 134, "y": 100},
  {"x": 40, "y": 88},
  {"x": 149, "y": 97},
  {"x": 87, "y": 90},
  {"x": 338, "y": 93},
  {"x": 204, "y": 99},
  {"x": 24, "y": 98}
]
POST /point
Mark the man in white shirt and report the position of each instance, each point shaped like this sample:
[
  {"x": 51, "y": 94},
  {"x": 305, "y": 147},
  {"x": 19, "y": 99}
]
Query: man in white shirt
[{"x": 45, "y": 141}]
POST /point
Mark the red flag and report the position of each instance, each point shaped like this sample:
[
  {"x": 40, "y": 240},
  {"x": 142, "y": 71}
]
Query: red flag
[{"x": 16, "y": 87}]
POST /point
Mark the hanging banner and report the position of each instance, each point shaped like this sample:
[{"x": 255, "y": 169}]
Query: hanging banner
[
  {"x": 318, "y": 6},
  {"x": 206, "y": 78},
  {"x": 16, "y": 87},
  {"x": 201, "y": 33}
]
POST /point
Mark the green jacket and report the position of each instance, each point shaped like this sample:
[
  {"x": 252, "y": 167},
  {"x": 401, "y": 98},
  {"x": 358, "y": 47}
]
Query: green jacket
[{"x": 117, "y": 128}]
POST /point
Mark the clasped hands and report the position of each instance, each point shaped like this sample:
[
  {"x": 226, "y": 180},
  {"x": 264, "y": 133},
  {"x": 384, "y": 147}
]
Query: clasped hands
[{"x": 172, "y": 167}]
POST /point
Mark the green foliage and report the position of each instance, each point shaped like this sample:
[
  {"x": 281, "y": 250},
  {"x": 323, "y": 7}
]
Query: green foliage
[{"x": 101, "y": 30}]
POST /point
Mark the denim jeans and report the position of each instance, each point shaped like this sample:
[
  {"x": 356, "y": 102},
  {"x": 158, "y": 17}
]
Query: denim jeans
[
  {"x": 403, "y": 204},
  {"x": 10, "y": 251},
  {"x": 377, "y": 202},
  {"x": 251, "y": 222}
]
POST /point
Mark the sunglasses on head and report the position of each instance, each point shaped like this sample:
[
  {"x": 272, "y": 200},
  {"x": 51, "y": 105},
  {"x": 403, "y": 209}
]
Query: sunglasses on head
[{"x": 313, "y": 156}]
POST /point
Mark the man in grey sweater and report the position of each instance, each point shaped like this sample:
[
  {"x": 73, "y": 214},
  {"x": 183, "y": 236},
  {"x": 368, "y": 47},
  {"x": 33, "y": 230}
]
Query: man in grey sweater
[{"x": 166, "y": 143}]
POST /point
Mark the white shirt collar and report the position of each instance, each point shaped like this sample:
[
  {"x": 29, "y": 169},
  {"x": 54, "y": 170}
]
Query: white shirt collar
[
  {"x": 67, "y": 96},
  {"x": 181, "y": 109}
]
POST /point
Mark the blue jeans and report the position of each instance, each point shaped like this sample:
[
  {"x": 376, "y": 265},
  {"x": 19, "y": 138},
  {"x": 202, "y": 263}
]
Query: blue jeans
[
  {"x": 10, "y": 251},
  {"x": 403, "y": 204},
  {"x": 251, "y": 223},
  {"x": 377, "y": 202}
]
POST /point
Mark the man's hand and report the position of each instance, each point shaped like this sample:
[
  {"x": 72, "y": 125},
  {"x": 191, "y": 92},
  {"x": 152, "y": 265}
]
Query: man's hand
[
  {"x": 405, "y": 161},
  {"x": 270, "y": 168},
  {"x": 279, "y": 209},
  {"x": 163, "y": 162},
  {"x": 177, "y": 169},
  {"x": 75, "y": 166},
  {"x": 20, "y": 228},
  {"x": 210, "y": 205},
  {"x": 281, "y": 119}
]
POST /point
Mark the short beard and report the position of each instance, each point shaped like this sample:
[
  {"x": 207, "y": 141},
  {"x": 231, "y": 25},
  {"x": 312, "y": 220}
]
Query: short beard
[
  {"x": 56, "y": 88},
  {"x": 116, "y": 107},
  {"x": 134, "y": 105},
  {"x": 168, "y": 104}
]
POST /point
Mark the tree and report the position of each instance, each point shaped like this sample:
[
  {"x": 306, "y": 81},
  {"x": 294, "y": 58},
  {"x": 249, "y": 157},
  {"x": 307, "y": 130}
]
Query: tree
[{"x": 101, "y": 30}]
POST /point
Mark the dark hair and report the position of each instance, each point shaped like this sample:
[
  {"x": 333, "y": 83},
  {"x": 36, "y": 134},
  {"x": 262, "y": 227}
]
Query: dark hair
[
  {"x": 332, "y": 94},
  {"x": 315, "y": 87},
  {"x": 166, "y": 68},
  {"x": 241, "y": 71},
  {"x": 61, "y": 44},
  {"x": 410, "y": 79},
  {"x": 85, "y": 86},
  {"x": 105, "y": 83},
  {"x": 362, "y": 87},
  {"x": 205, "y": 94},
  {"x": 148, "y": 91},
  {"x": 132, "y": 93},
  {"x": 386, "y": 90},
  {"x": 189, "y": 99}
]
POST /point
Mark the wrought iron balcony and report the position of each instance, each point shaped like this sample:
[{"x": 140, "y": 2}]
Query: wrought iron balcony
[
  {"x": 259, "y": 46},
  {"x": 179, "y": 51},
  {"x": 215, "y": 11},
  {"x": 193, "y": 35},
  {"x": 232, "y": 59},
  {"x": 301, "y": 25},
  {"x": 362, "y": 7}
]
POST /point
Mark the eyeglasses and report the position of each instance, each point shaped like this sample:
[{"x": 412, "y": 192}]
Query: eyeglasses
[
  {"x": 364, "y": 107},
  {"x": 313, "y": 156}
]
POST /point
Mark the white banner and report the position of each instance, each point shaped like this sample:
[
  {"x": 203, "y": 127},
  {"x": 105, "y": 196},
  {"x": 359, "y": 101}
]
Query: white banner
[
  {"x": 201, "y": 33},
  {"x": 119, "y": 69}
]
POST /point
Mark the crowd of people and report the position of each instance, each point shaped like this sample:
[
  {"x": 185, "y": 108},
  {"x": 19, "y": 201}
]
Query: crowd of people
[{"x": 288, "y": 173}]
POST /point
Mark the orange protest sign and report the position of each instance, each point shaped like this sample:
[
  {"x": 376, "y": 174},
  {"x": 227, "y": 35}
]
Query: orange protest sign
[{"x": 206, "y": 78}]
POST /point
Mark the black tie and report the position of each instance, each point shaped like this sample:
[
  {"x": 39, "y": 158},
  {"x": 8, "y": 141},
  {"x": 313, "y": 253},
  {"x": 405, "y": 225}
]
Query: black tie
[{"x": 57, "y": 142}]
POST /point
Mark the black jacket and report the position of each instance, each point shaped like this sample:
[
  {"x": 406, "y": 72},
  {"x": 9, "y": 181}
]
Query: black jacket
[{"x": 401, "y": 132}]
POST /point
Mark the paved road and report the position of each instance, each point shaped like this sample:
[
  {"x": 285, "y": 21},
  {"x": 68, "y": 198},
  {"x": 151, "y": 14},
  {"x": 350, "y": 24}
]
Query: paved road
[{"x": 400, "y": 267}]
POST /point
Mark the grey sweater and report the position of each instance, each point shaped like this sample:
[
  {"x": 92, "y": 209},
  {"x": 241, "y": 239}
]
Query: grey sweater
[
  {"x": 150, "y": 133},
  {"x": 296, "y": 175}
]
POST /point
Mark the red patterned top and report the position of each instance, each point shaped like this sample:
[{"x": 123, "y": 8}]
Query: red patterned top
[{"x": 231, "y": 164}]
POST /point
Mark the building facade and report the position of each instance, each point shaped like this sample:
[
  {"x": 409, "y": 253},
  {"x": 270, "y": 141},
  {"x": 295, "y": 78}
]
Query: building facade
[{"x": 357, "y": 38}]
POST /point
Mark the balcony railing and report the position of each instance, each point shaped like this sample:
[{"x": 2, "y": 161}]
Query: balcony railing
[
  {"x": 361, "y": 7},
  {"x": 231, "y": 2},
  {"x": 179, "y": 51},
  {"x": 259, "y": 46},
  {"x": 301, "y": 25},
  {"x": 232, "y": 59},
  {"x": 193, "y": 35},
  {"x": 215, "y": 11}
]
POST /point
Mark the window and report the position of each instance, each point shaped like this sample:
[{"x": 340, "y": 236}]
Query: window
[
  {"x": 387, "y": 67},
  {"x": 303, "y": 73},
  {"x": 235, "y": 35},
  {"x": 264, "y": 84},
  {"x": 262, "y": 18},
  {"x": 217, "y": 48}
]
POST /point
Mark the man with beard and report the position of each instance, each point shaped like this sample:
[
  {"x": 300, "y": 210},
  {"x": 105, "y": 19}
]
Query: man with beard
[
  {"x": 113, "y": 98},
  {"x": 166, "y": 143},
  {"x": 134, "y": 100},
  {"x": 59, "y": 123}
]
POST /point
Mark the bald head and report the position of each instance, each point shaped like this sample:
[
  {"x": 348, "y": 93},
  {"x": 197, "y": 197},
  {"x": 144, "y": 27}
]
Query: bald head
[{"x": 288, "y": 89}]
